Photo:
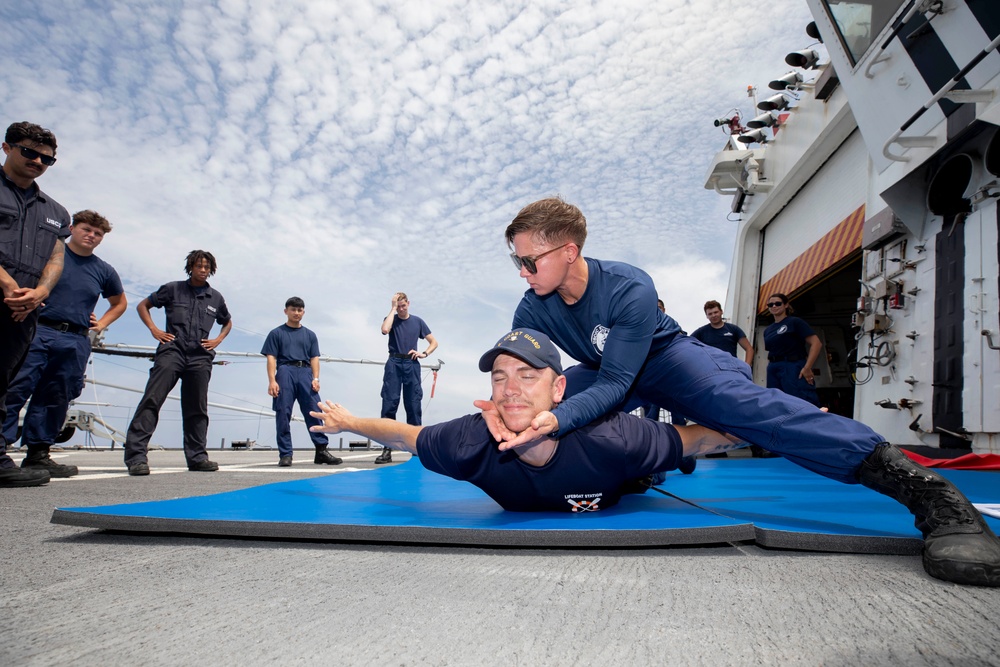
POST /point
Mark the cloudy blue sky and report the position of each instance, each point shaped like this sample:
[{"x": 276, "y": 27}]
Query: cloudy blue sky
[{"x": 343, "y": 150}]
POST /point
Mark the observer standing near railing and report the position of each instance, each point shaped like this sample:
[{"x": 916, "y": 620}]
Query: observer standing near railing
[{"x": 31, "y": 261}]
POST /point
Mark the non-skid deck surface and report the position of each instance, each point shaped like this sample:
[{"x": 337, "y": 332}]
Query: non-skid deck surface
[{"x": 771, "y": 501}]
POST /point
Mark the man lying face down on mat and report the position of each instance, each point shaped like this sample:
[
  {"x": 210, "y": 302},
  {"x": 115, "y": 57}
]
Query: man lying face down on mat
[{"x": 586, "y": 470}]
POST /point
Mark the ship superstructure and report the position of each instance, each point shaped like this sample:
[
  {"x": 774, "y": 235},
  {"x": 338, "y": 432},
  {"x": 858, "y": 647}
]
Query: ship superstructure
[{"x": 866, "y": 189}]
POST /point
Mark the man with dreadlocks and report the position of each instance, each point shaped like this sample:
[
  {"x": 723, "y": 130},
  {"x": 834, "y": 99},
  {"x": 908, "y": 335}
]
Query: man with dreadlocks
[{"x": 185, "y": 353}]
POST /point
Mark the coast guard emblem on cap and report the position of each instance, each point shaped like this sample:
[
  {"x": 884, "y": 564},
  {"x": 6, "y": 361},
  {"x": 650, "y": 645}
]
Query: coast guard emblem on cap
[
  {"x": 513, "y": 336},
  {"x": 599, "y": 336}
]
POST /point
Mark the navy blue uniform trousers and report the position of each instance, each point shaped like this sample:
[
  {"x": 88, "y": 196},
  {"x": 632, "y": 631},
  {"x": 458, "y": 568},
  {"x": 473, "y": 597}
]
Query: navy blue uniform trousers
[
  {"x": 715, "y": 390},
  {"x": 194, "y": 369},
  {"x": 295, "y": 384},
  {"x": 51, "y": 376},
  {"x": 784, "y": 375},
  {"x": 405, "y": 374},
  {"x": 15, "y": 338}
]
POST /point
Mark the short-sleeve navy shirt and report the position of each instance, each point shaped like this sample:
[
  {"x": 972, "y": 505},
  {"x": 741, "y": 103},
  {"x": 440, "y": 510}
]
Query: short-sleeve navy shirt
[
  {"x": 287, "y": 343},
  {"x": 725, "y": 338},
  {"x": 403, "y": 334},
  {"x": 787, "y": 339},
  {"x": 586, "y": 472},
  {"x": 83, "y": 280},
  {"x": 191, "y": 311}
]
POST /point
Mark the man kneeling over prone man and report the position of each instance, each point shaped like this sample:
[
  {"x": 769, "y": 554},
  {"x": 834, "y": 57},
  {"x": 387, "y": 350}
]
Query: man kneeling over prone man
[
  {"x": 592, "y": 467},
  {"x": 586, "y": 470}
]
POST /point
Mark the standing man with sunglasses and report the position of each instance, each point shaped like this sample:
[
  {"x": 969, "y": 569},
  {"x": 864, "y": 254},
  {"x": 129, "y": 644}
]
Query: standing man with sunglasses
[
  {"x": 402, "y": 369},
  {"x": 604, "y": 315},
  {"x": 31, "y": 261}
]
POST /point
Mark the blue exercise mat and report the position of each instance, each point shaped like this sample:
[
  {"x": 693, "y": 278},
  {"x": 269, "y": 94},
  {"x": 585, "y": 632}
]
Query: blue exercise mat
[{"x": 770, "y": 501}]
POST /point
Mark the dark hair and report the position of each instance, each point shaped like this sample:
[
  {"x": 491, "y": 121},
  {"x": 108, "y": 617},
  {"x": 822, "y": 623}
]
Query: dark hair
[
  {"x": 197, "y": 255},
  {"x": 295, "y": 302},
  {"x": 712, "y": 304},
  {"x": 92, "y": 218},
  {"x": 18, "y": 132},
  {"x": 784, "y": 300},
  {"x": 550, "y": 220}
]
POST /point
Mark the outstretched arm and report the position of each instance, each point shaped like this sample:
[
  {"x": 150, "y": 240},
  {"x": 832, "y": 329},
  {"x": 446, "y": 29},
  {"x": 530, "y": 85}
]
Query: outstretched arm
[{"x": 387, "y": 432}]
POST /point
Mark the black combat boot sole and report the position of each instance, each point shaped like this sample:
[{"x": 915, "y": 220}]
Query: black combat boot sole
[
  {"x": 964, "y": 558},
  {"x": 20, "y": 481},
  {"x": 55, "y": 470}
]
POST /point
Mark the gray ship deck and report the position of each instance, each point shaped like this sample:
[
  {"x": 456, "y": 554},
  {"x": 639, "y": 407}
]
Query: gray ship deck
[{"x": 76, "y": 596}]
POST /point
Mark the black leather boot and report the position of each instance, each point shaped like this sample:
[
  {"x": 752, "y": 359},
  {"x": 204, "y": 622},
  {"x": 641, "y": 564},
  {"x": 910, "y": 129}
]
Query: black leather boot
[
  {"x": 39, "y": 459},
  {"x": 385, "y": 456},
  {"x": 958, "y": 545},
  {"x": 323, "y": 456}
]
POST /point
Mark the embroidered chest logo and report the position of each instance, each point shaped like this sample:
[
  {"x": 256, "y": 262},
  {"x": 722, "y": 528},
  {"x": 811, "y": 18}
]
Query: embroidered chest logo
[
  {"x": 589, "y": 502},
  {"x": 599, "y": 337},
  {"x": 782, "y": 329},
  {"x": 211, "y": 310},
  {"x": 53, "y": 223}
]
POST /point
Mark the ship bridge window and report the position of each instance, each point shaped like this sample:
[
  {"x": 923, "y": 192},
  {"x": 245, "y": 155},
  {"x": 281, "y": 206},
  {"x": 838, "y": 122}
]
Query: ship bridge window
[{"x": 859, "y": 22}]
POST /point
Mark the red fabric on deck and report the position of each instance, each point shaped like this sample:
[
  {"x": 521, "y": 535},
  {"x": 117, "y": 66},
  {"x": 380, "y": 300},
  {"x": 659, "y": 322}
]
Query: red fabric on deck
[{"x": 966, "y": 462}]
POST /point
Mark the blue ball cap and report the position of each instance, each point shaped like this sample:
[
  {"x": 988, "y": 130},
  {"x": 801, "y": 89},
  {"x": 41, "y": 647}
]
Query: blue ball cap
[{"x": 528, "y": 345}]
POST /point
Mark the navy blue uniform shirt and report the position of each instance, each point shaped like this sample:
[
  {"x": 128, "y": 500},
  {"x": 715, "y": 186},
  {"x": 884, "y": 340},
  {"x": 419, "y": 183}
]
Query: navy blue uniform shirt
[
  {"x": 84, "y": 279},
  {"x": 586, "y": 472},
  {"x": 403, "y": 334},
  {"x": 287, "y": 343},
  {"x": 787, "y": 339},
  {"x": 191, "y": 312},
  {"x": 615, "y": 326},
  {"x": 30, "y": 225},
  {"x": 725, "y": 338}
]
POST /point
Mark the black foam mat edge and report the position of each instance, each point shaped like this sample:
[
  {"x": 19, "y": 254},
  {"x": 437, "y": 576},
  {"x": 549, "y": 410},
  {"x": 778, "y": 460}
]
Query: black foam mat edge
[
  {"x": 412, "y": 534},
  {"x": 854, "y": 544}
]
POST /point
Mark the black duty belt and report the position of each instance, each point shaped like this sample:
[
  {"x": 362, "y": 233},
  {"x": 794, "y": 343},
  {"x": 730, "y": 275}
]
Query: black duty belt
[
  {"x": 66, "y": 327},
  {"x": 781, "y": 357},
  {"x": 297, "y": 364},
  {"x": 393, "y": 355}
]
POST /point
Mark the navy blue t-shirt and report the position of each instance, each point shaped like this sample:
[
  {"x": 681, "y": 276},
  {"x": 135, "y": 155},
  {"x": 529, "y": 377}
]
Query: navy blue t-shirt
[
  {"x": 287, "y": 343},
  {"x": 615, "y": 325},
  {"x": 84, "y": 279},
  {"x": 725, "y": 338},
  {"x": 403, "y": 334},
  {"x": 787, "y": 339},
  {"x": 585, "y": 474}
]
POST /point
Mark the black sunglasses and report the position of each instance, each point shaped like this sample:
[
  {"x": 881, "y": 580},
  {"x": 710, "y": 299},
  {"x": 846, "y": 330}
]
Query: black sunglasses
[
  {"x": 775, "y": 304},
  {"x": 32, "y": 154},
  {"x": 530, "y": 262}
]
